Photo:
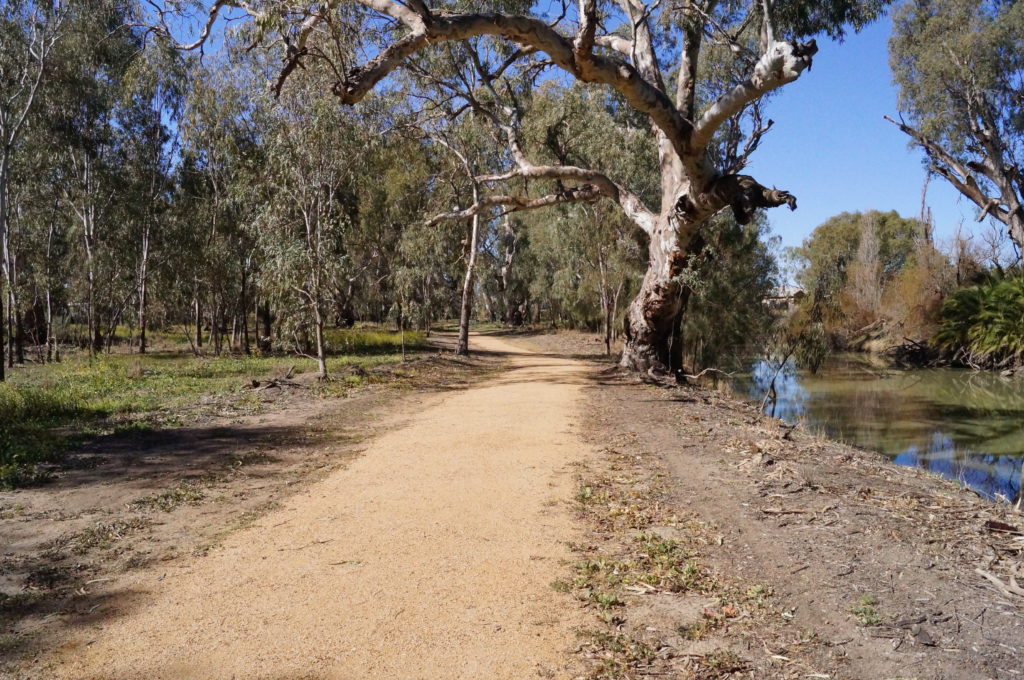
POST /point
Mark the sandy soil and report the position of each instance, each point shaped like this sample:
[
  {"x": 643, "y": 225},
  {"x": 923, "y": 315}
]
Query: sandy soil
[{"x": 430, "y": 556}]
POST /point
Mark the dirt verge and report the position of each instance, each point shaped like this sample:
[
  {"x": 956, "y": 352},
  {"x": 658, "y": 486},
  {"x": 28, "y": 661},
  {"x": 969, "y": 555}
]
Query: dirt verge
[{"x": 725, "y": 544}]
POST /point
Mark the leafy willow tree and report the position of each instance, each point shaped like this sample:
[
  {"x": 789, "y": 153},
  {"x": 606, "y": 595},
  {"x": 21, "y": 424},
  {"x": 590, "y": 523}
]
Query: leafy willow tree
[
  {"x": 726, "y": 57},
  {"x": 728, "y": 283},
  {"x": 959, "y": 65}
]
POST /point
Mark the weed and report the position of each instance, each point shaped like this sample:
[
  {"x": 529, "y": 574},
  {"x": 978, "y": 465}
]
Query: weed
[
  {"x": 10, "y": 512},
  {"x": 606, "y": 600},
  {"x": 19, "y": 601},
  {"x": 622, "y": 652},
  {"x": 720, "y": 664},
  {"x": 711, "y": 619},
  {"x": 585, "y": 494},
  {"x": 866, "y": 612},
  {"x": 10, "y": 643},
  {"x": 561, "y": 586}
]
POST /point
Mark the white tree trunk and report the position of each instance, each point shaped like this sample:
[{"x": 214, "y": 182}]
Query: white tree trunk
[{"x": 466, "y": 310}]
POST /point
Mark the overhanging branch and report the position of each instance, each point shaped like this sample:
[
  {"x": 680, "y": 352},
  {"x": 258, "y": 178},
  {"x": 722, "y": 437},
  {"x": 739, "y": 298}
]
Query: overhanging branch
[{"x": 585, "y": 193}]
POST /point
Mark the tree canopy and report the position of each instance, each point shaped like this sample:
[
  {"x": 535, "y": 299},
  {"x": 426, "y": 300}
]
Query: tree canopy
[{"x": 959, "y": 65}]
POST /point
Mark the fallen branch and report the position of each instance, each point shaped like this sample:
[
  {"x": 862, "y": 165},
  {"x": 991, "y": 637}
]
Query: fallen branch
[
  {"x": 708, "y": 370},
  {"x": 1007, "y": 589}
]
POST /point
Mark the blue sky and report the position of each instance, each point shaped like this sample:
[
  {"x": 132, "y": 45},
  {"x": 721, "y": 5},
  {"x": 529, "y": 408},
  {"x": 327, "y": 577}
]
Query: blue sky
[{"x": 831, "y": 147}]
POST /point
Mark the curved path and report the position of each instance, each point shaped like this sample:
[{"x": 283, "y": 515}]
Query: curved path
[{"x": 430, "y": 556}]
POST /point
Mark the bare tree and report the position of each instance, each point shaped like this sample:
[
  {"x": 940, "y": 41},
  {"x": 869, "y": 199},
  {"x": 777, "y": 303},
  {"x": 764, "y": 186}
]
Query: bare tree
[{"x": 704, "y": 132}]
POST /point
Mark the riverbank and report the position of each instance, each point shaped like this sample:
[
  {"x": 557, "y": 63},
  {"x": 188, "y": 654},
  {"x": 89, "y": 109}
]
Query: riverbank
[{"x": 806, "y": 558}]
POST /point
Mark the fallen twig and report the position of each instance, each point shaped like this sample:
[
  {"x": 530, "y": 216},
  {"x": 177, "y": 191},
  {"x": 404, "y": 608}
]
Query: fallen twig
[{"x": 1006, "y": 589}]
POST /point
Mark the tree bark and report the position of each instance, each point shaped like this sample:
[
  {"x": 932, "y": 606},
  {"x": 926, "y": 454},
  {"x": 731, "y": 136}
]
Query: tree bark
[
  {"x": 143, "y": 278},
  {"x": 321, "y": 347},
  {"x": 198, "y": 309},
  {"x": 3, "y": 252},
  {"x": 266, "y": 343},
  {"x": 467, "y": 290},
  {"x": 244, "y": 309}
]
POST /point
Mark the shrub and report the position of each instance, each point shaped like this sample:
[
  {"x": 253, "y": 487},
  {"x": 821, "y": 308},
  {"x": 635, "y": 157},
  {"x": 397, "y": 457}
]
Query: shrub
[{"x": 983, "y": 325}]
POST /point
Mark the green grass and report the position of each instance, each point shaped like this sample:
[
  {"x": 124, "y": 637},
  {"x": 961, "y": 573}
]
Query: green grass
[
  {"x": 360, "y": 341},
  {"x": 46, "y": 408}
]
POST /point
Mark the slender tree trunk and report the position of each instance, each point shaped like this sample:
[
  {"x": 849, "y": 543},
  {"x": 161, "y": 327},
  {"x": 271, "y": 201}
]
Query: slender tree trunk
[
  {"x": 50, "y": 341},
  {"x": 265, "y": 317},
  {"x": 198, "y": 309},
  {"x": 216, "y": 322},
  {"x": 19, "y": 336},
  {"x": 3, "y": 253},
  {"x": 9, "y": 321},
  {"x": 467, "y": 286},
  {"x": 3, "y": 369},
  {"x": 321, "y": 347},
  {"x": 244, "y": 307},
  {"x": 143, "y": 279}
]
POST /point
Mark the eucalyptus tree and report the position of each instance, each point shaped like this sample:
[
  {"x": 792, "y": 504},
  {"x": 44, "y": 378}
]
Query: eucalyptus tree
[
  {"x": 91, "y": 118},
  {"x": 220, "y": 192},
  {"x": 313, "y": 150},
  {"x": 959, "y": 65},
  {"x": 29, "y": 31},
  {"x": 153, "y": 94},
  {"x": 704, "y": 127}
]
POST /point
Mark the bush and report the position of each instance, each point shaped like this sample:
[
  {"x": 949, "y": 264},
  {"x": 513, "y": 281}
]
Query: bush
[{"x": 983, "y": 325}]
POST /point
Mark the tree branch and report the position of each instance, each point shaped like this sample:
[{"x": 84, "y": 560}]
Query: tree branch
[
  {"x": 586, "y": 193},
  {"x": 947, "y": 166},
  {"x": 640, "y": 92},
  {"x": 782, "y": 63}
]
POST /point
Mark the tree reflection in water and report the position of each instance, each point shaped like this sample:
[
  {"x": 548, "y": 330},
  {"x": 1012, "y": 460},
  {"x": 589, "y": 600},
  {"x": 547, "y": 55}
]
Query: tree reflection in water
[{"x": 964, "y": 425}]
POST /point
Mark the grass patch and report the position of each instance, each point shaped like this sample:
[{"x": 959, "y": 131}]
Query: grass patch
[
  {"x": 720, "y": 664},
  {"x": 45, "y": 408},
  {"x": 357, "y": 341},
  {"x": 619, "y": 653}
]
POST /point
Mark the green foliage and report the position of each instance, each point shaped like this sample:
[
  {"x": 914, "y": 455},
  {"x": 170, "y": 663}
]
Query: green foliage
[
  {"x": 946, "y": 52},
  {"x": 727, "y": 319},
  {"x": 983, "y": 325},
  {"x": 866, "y": 611},
  {"x": 826, "y": 255},
  {"x": 875, "y": 271}
]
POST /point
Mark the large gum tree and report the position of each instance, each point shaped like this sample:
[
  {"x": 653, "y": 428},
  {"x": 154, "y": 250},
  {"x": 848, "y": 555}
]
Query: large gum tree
[{"x": 697, "y": 71}]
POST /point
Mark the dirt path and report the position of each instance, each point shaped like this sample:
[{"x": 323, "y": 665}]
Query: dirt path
[{"x": 431, "y": 556}]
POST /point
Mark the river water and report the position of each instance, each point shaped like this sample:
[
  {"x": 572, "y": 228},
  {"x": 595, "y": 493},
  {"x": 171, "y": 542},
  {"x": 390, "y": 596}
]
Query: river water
[{"x": 964, "y": 425}]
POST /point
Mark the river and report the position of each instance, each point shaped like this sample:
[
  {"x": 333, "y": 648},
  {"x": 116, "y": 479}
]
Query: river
[{"x": 963, "y": 425}]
